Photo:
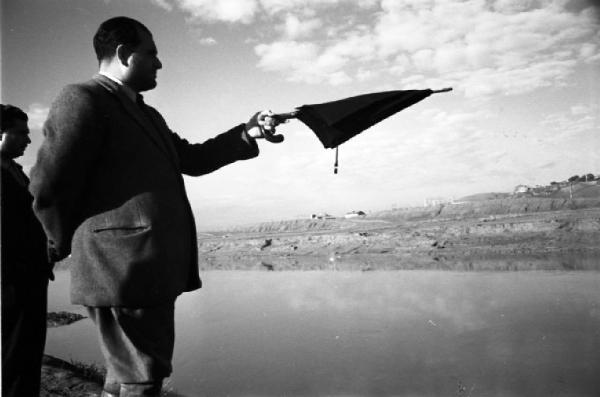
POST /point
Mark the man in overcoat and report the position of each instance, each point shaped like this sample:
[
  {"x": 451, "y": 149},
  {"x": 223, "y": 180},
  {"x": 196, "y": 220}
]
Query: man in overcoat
[
  {"x": 25, "y": 269},
  {"x": 109, "y": 192}
]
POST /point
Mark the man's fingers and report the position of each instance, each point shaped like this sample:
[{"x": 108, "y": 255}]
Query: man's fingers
[
  {"x": 263, "y": 125},
  {"x": 266, "y": 120}
]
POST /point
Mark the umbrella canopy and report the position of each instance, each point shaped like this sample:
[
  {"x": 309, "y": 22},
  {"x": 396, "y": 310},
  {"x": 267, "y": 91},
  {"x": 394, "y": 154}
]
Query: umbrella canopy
[{"x": 336, "y": 122}]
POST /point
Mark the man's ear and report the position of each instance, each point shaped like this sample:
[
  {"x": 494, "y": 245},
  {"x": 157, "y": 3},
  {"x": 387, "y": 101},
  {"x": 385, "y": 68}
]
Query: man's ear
[{"x": 123, "y": 52}]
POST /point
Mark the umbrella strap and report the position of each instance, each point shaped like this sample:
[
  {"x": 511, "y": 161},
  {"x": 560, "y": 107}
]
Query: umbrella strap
[{"x": 335, "y": 166}]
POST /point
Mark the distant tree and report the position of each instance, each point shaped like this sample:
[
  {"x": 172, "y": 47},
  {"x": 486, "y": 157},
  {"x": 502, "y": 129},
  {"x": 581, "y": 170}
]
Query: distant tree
[
  {"x": 574, "y": 178},
  {"x": 553, "y": 183},
  {"x": 589, "y": 177}
]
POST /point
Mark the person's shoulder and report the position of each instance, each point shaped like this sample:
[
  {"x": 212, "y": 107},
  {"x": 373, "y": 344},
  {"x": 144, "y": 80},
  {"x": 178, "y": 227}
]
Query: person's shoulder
[
  {"x": 87, "y": 94},
  {"x": 8, "y": 181},
  {"x": 86, "y": 88}
]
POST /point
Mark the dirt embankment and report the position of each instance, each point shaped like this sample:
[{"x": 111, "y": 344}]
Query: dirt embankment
[
  {"x": 503, "y": 234},
  {"x": 64, "y": 379}
]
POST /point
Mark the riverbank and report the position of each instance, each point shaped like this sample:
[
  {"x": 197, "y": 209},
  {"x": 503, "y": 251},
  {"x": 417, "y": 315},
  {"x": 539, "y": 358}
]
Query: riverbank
[
  {"x": 63, "y": 379},
  {"x": 506, "y": 234},
  {"x": 68, "y": 379},
  {"x": 500, "y": 234},
  {"x": 60, "y": 378}
]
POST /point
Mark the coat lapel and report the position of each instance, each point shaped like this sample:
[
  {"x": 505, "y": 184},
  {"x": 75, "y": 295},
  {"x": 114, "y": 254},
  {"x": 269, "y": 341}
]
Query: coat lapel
[
  {"x": 150, "y": 127},
  {"x": 164, "y": 135}
]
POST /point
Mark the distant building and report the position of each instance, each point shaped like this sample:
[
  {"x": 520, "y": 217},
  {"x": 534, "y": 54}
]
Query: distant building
[
  {"x": 541, "y": 190},
  {"x": 433, "y": 201},
  {"x": 522, "y": 189},
  {"x": 355, "y": 214}
]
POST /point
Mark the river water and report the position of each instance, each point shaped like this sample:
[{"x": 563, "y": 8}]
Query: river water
[{"x": 377, "y": 333}]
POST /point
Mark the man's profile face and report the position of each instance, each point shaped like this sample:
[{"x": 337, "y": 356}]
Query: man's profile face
[
  {"x": 144, "y": 63},
  {"x": 15, "y": 140}
]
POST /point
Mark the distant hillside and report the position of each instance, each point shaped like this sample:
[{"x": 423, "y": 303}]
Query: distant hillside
[
  {"x": 295, "y": 225},
  {"x": 583, "y": 190},
  {"x": 483, "y": 196},
  {"x": 579, "y": 190},
  {"x": 585, "y": 195},
  {"x": 463, "y": 210},
  {"x": 482, "y": 208}
]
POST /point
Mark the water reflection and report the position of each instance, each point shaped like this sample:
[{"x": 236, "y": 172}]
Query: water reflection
[{"x": 416, "y": 333}]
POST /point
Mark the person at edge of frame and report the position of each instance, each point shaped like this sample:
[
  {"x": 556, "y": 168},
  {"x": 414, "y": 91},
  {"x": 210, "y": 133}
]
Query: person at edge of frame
[
  {"x": 109, "y": 191},
  {"x": 25, "y": 268}
]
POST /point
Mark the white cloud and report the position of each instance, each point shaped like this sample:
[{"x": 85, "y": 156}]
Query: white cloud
[
  {"x": 580, "y": 119},
  {"x": 423, "y": 59},
  {"x": 247, "y": 11},
  {"x": 590, "y": 52},
  {"x": 506, "y": 46},
  {"x": 233, "y": 11},
  {"x": 37, "y": 114},
  {"x": 365, "y": 75},
  {"x": 512, "y": 6},
  {"x": 303, "y": 61},
  {"x": 273, "y": 7},
  {"x": 208, "y": 41},
  {"x": 449, "y": 58},
  {"x": 286, "y": 56},
  {"x": 277, "y": 6},
  {"x": 400, "y": 65},
  {"x": 163, "y": 4},
  {"x": 487, "y": 46},
  {"x": 294, "y": 28},
  {"x": 444, "y": 119},
  {"x": 578, "y": 110}
]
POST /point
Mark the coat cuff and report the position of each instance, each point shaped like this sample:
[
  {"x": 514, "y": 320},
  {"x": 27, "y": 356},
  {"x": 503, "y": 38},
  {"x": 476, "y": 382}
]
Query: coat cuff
[{"x": 250, "y": 147}]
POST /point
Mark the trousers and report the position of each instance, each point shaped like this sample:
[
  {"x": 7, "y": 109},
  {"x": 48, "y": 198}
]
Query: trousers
[
  {"x": 24, "y": 308},
  {"x": 137, "y": 345}
]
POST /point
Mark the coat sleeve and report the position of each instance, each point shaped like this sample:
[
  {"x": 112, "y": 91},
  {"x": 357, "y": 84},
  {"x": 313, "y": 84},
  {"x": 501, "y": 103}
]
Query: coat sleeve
[
  {"x": 202, "y": 158},
  {"x": 72, "y": 143}
]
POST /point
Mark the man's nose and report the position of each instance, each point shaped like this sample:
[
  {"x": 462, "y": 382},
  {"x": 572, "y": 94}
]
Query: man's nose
[{"x": 158, "y": 64}]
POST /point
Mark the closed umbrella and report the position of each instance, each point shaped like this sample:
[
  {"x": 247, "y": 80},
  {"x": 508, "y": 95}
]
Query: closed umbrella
[{"x": 336, "y": 122}]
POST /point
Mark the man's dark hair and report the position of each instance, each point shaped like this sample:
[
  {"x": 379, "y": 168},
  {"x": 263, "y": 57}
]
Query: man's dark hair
[
  {"x": 115, "y": 31},
  {"x": 9, "y": 115}
]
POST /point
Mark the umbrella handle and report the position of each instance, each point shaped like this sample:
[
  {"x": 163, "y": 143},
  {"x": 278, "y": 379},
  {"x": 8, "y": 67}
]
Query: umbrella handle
[
  {"x": 283, "y": 117},
  {"x": 269, "y": 136}
]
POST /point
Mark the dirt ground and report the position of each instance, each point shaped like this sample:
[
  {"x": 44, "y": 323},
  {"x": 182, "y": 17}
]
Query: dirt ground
[
  {"x": 546, "y": 240},
  {"x": 62, "y": 379}
]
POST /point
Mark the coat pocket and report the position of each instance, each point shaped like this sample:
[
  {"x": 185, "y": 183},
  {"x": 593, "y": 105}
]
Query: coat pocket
[{"x": 120, "y": 231}]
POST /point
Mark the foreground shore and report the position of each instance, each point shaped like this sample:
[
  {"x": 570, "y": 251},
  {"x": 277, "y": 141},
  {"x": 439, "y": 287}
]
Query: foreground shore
[{"x": 64, "y": 379}]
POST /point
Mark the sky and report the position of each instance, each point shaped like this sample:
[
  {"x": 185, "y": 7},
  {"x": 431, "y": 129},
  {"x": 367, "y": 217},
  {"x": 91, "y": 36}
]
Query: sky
[{"x": 525, "y": 105}]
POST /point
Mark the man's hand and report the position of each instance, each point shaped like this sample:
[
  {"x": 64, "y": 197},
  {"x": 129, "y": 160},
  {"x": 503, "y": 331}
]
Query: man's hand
[{"x": 262, "y": 125}]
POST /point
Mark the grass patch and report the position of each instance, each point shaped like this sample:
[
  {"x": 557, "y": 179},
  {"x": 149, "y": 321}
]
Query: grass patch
[{"x": 92, "y": 372}]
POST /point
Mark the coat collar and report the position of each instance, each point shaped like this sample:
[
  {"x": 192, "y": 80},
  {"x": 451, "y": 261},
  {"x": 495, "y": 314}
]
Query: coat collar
[
  {"x": 131, "y": 94},
  {"x": 149, "y": 125}
]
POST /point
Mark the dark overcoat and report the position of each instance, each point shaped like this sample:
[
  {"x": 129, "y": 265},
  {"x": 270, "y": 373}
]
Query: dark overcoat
[
  {"x": 23, "y": 240},
  {"x": 25, "y": 272},
  {"x": 109, "y": 190}
]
